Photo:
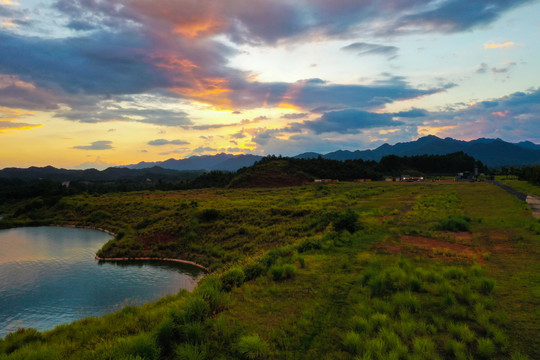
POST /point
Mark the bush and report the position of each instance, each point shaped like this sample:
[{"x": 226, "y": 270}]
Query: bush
[
  {"x": 347, "y": 220},
  {"x": 166, "y": 335},
  {"x": 195, "y": 309},
  {"x": 352, "y": 342},
  {"x": 210, "y": 290},
  {"x": 486, "y": 348},
  {"x": 191, "y": 352},
  {"x": 232, "y": 278},
  {"x": 486, "y": 286},
  {"x": 454, "y": 223},
  {"x": 424, "y": 348},
  {"x": 141, "y": 345},
  {"x": 406, "y": 301},
  {"x": 208, "y": 215},
  {"x": 360, "y": 325},
  {"x": 18, "y": 339},
  {"x": 252, "y": 347},
  {"x": 254, "y": 270},
  {"x": 282, "y": 272}
]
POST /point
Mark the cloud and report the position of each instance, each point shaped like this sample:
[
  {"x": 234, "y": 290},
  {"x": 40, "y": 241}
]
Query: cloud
[
  {"x": 203, "y": 149},
  {"x": 513, "y": 117},
  {"x": 96, "y": 145},
  {"x": 362, "y": 49},
  {"x": 450, "y": 16},
  {"x": 175, "y": 47},
  {"x": 96, "y": 164},
  {"x": 294, "y": 116},
  {"x": 502, "y": 70},
  {"x": 239, "y": 135},
  {"x": 120, "y": 109},
  {"x": 482, "y": 68},
  {"x": 10, "y": 120},
  {"x": 504, "y": 44},
  {"x": 348, "y": 121},
  {"x": 413, "y": 113},
  {"x": 160, "y": 142}
]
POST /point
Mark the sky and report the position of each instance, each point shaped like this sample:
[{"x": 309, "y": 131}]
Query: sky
[{"x": 98, "y": 83}]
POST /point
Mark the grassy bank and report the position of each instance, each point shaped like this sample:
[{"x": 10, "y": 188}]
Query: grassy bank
[{"x": 347, "y": 271}]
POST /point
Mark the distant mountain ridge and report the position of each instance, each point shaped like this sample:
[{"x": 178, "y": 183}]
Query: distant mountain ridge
[
  {"x": 492, "y": 152},
  {"x": 226, "y": 162}
]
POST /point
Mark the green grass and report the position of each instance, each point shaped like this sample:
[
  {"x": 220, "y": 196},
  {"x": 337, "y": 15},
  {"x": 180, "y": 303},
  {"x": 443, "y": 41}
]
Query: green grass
[
  {"x": 520, "y": 185},
  {"x": 291, "y": 281}
]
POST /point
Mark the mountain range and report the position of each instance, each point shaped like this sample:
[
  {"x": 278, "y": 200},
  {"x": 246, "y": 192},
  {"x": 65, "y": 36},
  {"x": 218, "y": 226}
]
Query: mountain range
[{"x": 492, "y": 152}]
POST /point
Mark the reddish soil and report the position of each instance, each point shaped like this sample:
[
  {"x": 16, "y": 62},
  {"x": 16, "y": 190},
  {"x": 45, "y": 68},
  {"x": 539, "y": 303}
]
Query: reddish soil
[{"x": 413, "y": 245}]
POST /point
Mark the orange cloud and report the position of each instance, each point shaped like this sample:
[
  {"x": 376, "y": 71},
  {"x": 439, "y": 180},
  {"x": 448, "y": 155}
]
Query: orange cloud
[
  {"x": 504, "y": 44},
  {"x": 500, "y": 113},
  {"x": 198, "y": 28},
  {"x": 432, "y": 130}
]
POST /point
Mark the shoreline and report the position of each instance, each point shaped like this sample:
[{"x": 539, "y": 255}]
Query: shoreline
[
  {"x": 186, "y": 262},
  {"x": 86, "y": 227}
]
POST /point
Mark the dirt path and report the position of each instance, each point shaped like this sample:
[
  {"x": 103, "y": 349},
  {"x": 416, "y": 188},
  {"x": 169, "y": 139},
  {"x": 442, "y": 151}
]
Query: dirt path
[
  {"x": 532, "y": 201},
  {"x": 521, "y": 196},
  {"x": 534, "y": 204}
]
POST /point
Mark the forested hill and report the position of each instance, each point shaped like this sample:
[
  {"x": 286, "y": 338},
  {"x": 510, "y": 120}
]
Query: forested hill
[{"x": 277, "y": 171}]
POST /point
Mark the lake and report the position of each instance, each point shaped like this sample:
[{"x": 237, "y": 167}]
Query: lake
[{"x": 48, "y": 276}]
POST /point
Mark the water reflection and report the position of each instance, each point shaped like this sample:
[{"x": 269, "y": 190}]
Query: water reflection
[{"x": 48, "y": 276}]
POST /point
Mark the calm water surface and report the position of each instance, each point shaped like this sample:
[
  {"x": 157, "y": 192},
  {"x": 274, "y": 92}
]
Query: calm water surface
[{"x": 48, "y": 276}]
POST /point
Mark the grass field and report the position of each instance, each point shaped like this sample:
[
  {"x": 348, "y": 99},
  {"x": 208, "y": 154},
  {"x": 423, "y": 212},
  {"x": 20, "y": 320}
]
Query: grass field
[
  {"x": 520, "y": 185},
  {"x": 344, "y": 271}
]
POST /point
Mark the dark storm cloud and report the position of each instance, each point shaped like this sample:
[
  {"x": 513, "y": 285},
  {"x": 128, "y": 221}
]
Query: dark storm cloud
[
  {"x": 455, "y": 15},
  {"x": 295, "y": 116},
  {"x": 94, "y": 114},
  {"x": 137, "y": 46},
  {"x": 413, "y": 113},
  {"x": 103, "y": 63},
  {"x": 349, "y": 121}
]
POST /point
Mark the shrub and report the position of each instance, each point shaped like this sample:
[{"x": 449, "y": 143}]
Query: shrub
[
  {"x": 210, "y": 290},
  {"x": 252, "y": 347},
  {"x": 454, "y": 272},
  {"x": 308, "y": 245},
  {"x": 191, "y": 352},
  {"x": 166, "y": 335},
  {"x": 99, "y": 216},
  {"x": 461, "y": 331},
  {"x": 141, "y": 345},
  {"x": 18, "y": 339},
  {"x": 276, "y": 271},
  {"x": 486, "y": 286},
  {"x": 377, "y": 320},
  {"x": 456, "y": 348},
  {"x": 232, "y": 278},
  {"x": 352, "y": 342},
  {"x": 454, "y": 223},
  {"x": 360, "y": 325},
  {"x": 281, "y": 272},
  {"x": 406, "y": 301},
  {"x": 424, "y": 348},
  {"x": 486, "y": 348},
  {"x": 208, "y": 215},
  {"x": 254, "y": 270},
  {"x": 347, "y": 220},
  {"x": 195, "y": 309}
]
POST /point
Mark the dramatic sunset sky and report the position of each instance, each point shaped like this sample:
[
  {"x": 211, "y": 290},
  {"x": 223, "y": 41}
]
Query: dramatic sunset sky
[{"x": 93, "y": 83}]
